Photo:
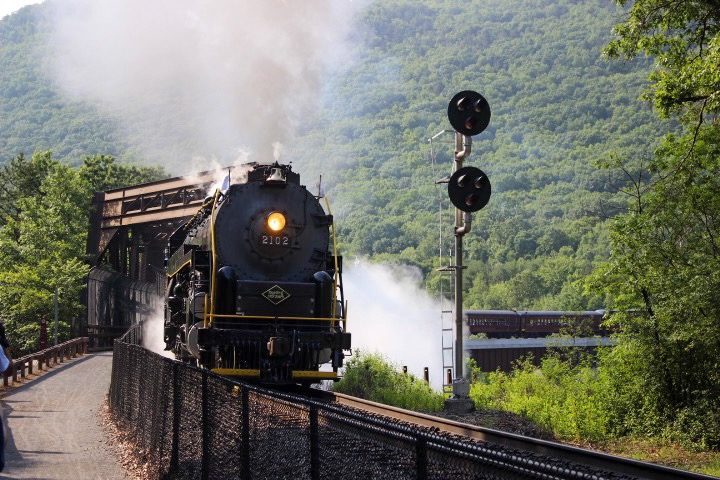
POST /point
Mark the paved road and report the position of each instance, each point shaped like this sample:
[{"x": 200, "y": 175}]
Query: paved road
[{"x": 53, "y": 429}]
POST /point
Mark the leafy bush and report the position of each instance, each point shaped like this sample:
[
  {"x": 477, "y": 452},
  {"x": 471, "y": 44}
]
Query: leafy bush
[
  {"x": 567, "y": 398},
  {"x": 372, "y": 377},
  {"x": 600, "y": 400}
]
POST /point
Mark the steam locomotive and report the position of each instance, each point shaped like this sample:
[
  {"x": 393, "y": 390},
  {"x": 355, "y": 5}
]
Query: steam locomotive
[{"x": 253, "y": 287}]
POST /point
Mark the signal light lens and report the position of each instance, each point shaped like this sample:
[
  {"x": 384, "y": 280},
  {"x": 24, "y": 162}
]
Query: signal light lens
[{"x": 276, "y": 221}]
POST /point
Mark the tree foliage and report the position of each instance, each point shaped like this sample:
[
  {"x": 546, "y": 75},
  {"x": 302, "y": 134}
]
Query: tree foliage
[
  {"x": 666, "y": 249},
  {"x": 684, "y": 37},
  {"x": 45, "y": 208}
]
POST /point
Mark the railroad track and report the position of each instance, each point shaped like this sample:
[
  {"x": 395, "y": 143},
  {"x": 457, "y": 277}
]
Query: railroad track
[{"x": 574, "y": 460}]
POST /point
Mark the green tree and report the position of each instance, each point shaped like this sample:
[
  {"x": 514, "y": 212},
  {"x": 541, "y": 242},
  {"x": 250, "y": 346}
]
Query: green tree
[
  {"x": 665, "y": 262},
  {"x": 684, "y": 37},
  {"x": 21, "y": 178},
  {"x": 43, "y": 242},
  {"x": 102, "y": 172},
  {"x": 43, "y": 237}
]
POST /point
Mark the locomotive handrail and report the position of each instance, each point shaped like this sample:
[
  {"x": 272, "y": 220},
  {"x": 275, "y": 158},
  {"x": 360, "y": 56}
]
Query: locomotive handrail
[
  {"x": 205, "y": 311},
  {"x": 205, "y": 204},
  {"x": 170, "y": 275},
  {"x": 213, "y": 270},
  {"x": 335, "y": 275}
]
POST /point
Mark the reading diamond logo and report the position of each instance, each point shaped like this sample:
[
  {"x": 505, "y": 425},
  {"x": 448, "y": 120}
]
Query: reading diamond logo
[{"x": 276, "y": 294}]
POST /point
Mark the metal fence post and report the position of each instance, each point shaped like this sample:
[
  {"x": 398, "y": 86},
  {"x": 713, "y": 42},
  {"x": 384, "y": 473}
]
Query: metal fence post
[
  {"x": 421, "y": 458},
  {"x": 174, "y": 457},
  {"x": 314, "y": 444},
  {"x": 245, "y": 447},
  {"x": 205, "y": 461}
]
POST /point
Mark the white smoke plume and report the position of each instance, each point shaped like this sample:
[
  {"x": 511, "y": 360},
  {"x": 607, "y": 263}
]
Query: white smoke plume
[
  {"x": 153, "y": 330},
  {"x": 220, "y": 76},
  {"x": 390, "y": 313}
]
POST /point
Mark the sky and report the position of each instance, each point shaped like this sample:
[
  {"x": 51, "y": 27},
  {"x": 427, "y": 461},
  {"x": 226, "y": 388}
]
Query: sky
[{"x": 11, "y": 6}]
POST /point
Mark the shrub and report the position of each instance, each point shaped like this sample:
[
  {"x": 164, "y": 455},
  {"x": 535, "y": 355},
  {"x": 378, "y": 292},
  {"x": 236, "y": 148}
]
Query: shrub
[
  {"x": 566, "y": 398},
  {"x": 372, "y": 377}
]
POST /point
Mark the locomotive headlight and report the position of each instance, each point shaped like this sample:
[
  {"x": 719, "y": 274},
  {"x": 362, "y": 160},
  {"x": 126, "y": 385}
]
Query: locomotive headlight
[{"x": 276, "y": 221}]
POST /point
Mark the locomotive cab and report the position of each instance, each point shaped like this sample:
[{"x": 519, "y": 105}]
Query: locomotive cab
[{"x": 254, "y": 289}]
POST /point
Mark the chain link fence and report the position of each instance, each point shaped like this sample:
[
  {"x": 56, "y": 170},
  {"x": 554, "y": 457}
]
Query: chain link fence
[{"x": 194, "y": 424}]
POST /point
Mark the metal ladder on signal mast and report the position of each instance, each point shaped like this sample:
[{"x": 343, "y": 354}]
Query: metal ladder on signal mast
[
  {"x": 447, "y": 305},
  {"x": 447, "y": 322}
]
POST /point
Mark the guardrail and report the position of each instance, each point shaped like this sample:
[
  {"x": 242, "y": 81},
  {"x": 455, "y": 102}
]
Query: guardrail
[{"x": 49, "y": 357}]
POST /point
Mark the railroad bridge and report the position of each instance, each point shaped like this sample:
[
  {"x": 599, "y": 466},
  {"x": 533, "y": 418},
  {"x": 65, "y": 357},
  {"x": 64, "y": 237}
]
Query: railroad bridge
[{"x": 129, "y": 228}]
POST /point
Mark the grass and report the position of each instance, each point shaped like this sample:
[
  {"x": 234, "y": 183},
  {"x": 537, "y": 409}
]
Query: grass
[
  {"x": 660, "y": 452},
  {"x": 372, "y": 377},
  {"x": 571, "y": 401}
]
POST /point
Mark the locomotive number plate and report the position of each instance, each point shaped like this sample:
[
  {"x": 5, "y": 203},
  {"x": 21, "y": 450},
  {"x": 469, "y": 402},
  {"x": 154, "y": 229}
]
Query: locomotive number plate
[{"x": 274, "y": 240}]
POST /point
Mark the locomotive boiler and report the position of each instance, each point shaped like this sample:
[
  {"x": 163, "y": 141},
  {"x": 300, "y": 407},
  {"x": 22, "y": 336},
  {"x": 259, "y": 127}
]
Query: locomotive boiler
[{"x": 254, "y": 283}]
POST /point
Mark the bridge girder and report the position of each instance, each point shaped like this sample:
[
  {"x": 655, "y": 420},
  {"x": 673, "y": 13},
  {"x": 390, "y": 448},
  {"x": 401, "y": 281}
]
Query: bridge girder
[{"x": 129, "y": 226}]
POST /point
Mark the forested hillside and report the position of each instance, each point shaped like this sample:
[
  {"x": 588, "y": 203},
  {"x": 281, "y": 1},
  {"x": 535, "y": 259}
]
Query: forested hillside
[
  {"x": 558, "y": 107},
  {"x": 34, "y": 116}
]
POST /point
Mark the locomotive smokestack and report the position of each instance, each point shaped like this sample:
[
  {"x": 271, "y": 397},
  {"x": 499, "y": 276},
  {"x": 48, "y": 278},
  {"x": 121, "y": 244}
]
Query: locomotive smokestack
[{"x": 277, "y": 175}]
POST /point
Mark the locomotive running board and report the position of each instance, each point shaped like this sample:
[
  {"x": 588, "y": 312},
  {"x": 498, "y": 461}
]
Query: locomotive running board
[
  {"x": 313, "y": 374},
  {"x": 237, "y": 372}
]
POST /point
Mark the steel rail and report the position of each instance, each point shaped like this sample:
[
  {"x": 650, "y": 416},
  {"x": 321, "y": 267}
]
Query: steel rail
[{"x": 575, "y": 455}]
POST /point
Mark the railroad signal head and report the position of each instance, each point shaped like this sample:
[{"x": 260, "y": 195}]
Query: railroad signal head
[
  {"x": 469, "y": 112},
  {"x": 469, "y": 189}
]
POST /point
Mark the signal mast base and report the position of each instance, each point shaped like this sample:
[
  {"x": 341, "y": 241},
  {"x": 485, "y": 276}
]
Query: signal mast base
[{"x": 460, "y": 402}]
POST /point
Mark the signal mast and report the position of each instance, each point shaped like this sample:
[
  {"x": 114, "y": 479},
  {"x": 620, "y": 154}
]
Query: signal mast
[{"x": 469, "y": 191}]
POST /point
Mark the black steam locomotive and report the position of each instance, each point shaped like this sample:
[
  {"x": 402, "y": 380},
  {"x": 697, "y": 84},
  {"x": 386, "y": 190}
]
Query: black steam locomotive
[{"x": 253, "y": 288}]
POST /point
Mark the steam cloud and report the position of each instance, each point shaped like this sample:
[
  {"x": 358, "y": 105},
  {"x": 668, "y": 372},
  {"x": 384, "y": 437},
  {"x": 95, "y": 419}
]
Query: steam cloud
[
  {"x": 230, "y": 81},
  {"x": 153, "y": 329},
  {"x": 389, "y": 313},
  {"x": 215, "y": 77}
]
